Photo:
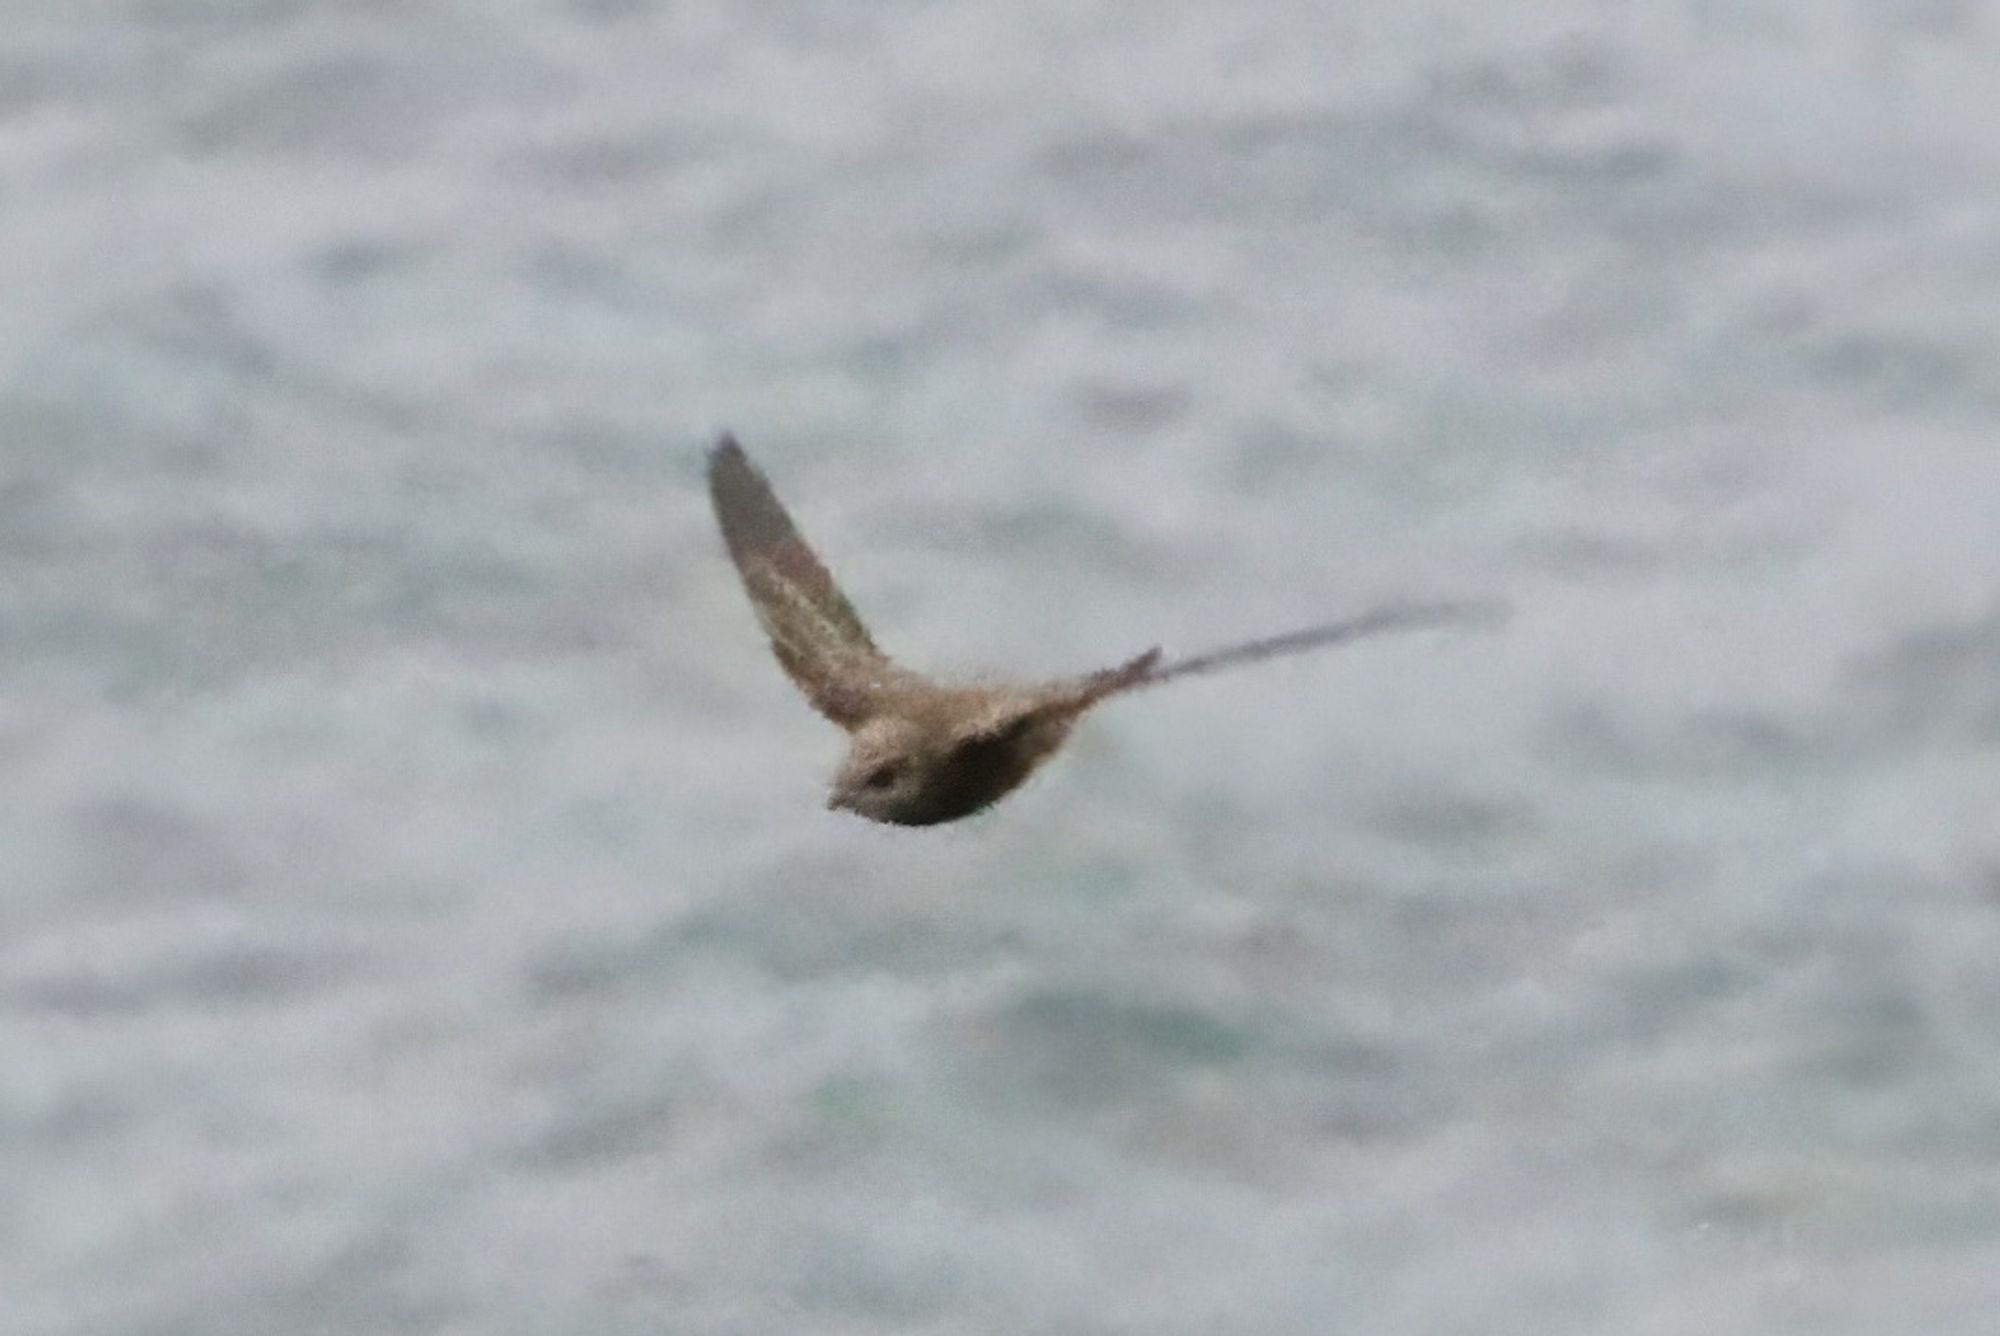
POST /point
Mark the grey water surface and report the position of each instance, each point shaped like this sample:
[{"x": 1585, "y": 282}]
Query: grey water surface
[{"x": 417, "y": 913}]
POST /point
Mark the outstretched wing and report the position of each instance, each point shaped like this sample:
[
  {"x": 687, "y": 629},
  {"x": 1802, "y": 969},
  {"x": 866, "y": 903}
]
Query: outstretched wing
[
  {"x": 1375, "y": 623},
  {"x": 1033, "y": 721},
  {"x": 1392, "y": 617},
  {"x": 818, "y": 638}
]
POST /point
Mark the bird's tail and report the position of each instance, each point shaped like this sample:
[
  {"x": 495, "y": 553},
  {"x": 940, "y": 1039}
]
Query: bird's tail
[{"x": 1147, "y": 670}]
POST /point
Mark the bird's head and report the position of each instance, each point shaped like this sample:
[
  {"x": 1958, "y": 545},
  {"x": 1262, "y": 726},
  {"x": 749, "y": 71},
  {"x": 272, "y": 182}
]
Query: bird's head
[{"x": 887, "y": 773}]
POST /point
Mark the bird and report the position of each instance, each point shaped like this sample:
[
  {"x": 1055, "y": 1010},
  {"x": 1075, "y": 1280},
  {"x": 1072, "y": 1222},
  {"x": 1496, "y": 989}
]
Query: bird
[{"x": 920, "y": 751}]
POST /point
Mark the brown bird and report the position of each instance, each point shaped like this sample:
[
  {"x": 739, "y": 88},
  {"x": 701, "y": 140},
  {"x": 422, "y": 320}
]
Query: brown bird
[{"x": 922, "y": 752}]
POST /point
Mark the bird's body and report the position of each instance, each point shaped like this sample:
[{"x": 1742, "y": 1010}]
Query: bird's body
[{"x": 923, "y": 752}]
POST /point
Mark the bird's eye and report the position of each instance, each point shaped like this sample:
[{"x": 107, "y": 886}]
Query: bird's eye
[{"x": 882, "y": 776}]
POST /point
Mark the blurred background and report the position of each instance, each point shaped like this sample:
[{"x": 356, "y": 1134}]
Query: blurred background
[{"x": 416, "y": 909}]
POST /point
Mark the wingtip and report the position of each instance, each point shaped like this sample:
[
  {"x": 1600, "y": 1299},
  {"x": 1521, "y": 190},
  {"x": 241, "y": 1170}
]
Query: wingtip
[{"x": 726, "y": 460}]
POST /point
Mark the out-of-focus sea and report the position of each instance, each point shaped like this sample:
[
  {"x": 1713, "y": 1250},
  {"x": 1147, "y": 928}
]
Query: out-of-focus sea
[{"x": 417, "y": 909}]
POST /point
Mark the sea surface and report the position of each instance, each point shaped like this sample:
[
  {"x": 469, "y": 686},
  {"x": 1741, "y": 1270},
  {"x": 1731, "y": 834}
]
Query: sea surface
[{"x": 418, "y": 912}]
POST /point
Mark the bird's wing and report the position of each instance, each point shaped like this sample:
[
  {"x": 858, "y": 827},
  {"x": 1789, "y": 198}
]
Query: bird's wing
[
  {"x": 1056, "y": 705},
  {"x": 1390, "y": 617},
  {"x": 1008, "y": 717},
  {"x": 819, "y": 639},
  {"x": 1094, "y": 687}
]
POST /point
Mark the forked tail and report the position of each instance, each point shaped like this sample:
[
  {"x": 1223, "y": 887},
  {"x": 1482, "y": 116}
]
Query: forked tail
[{"x": 1147, "y": 671}]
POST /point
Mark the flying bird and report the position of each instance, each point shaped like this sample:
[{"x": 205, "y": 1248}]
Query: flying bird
[{"x": 922, "y": 752}]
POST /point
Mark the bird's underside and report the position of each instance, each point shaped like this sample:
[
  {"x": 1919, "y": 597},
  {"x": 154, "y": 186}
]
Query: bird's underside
[{"x": 923, "y": 752}]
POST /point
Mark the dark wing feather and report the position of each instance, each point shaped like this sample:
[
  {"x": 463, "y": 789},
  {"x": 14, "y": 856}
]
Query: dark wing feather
[
  {"x": 819, "y": 639},
  {"x": 1392, "y": 617}
]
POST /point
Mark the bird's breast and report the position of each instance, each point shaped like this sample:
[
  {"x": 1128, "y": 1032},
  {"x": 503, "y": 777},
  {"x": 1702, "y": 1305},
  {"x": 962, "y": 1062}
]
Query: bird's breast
[{"x": 979, "y": 773}]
